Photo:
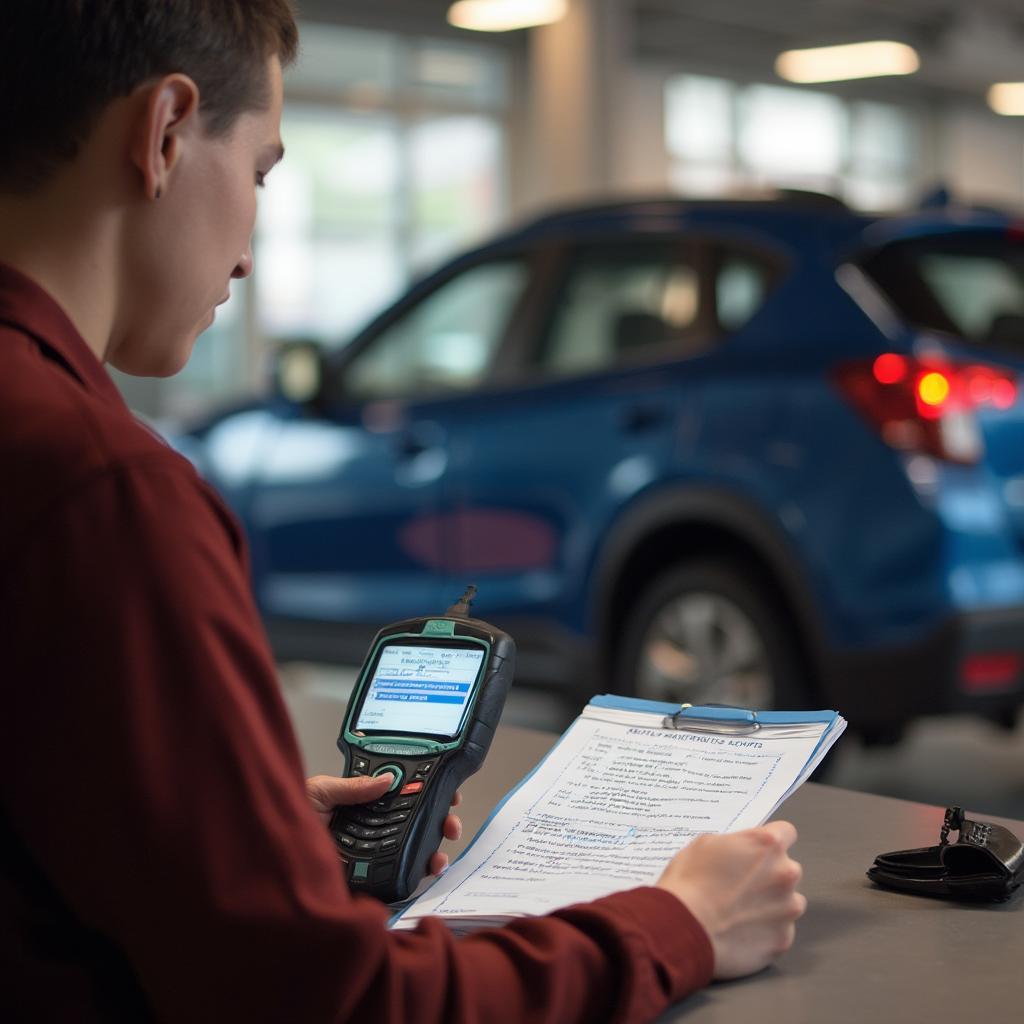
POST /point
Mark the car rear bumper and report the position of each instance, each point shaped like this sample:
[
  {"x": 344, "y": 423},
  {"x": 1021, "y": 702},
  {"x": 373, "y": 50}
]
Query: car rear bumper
[{"x": 974, "y": 662}]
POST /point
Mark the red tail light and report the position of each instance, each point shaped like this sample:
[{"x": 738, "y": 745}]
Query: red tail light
[
  {"x": 925, "y": 405},
  {"x": 980, "y": 673}
]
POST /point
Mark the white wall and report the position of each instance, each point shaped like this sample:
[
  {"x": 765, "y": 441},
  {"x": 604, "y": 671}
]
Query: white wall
[
  {"x": 640, "y": 157},
  {"x": 981, "y": 155}
]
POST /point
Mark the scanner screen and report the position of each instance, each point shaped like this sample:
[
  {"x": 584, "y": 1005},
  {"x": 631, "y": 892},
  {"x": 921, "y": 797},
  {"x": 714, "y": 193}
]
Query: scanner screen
[{"x": 420, "y": 690}]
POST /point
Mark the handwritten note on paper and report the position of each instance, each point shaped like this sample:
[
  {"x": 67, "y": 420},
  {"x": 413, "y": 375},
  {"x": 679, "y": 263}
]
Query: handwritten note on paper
[{"x": 607, "y": 809}]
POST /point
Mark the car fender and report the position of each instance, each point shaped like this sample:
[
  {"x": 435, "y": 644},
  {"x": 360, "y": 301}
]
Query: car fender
[{"x": 705, "y": 506}]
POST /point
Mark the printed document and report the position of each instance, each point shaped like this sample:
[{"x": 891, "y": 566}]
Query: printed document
[{"x": 624, "y": 789}]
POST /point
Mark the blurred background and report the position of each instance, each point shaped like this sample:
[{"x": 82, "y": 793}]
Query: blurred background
[{"x": 411, "y": 139}]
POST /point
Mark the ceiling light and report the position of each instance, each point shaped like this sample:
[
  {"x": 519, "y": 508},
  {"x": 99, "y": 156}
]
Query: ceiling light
[
  {"x": 505, "y": 15},
  {"x": 841, "y": 63},
  {"x": 1007, "y": 98}
]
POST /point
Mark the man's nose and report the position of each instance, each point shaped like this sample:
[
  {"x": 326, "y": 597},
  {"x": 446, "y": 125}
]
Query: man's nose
[{"x": 243, "y": 268}]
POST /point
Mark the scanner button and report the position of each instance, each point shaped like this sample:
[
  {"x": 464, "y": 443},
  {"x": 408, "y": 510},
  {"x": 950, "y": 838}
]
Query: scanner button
[
  {"x": 375, "y": 821},
  {"x": 382, "y": 872},
  {"x": 395, "y": 770},
  {"x": 411, "y": 787},
  {"x": 361, "y": 832}
]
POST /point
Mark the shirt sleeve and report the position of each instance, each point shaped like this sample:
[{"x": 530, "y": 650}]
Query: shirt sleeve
[{"x": 151, "y": 771}]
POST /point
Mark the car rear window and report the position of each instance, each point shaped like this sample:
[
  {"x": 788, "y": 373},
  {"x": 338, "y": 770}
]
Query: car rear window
[{"x": 969, "y": 284}]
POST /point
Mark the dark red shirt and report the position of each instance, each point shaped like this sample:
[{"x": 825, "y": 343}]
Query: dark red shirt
[{"x": 158, "y": 856}]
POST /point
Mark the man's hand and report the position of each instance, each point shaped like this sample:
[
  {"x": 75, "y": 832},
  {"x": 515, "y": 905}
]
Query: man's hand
[
  {"x": 326, "y": 792},
  {"x": 742, "y": 888}
]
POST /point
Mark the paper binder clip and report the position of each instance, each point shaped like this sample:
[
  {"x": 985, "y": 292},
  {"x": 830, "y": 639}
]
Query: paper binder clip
[{"x": 720, "y": 718}]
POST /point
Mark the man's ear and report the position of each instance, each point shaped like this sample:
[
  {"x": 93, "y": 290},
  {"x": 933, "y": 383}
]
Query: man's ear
[{"x": 169, "y": 110}]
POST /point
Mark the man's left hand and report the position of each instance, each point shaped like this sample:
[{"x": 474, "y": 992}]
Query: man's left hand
[{"x": 326, "y": 792}]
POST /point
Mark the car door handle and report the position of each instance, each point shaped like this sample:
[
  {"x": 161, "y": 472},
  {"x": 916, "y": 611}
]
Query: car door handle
[
  {"x": 639, "y": 418},
  {"x": 410, "y": 447},
  {"x": 419, "y": 439}
]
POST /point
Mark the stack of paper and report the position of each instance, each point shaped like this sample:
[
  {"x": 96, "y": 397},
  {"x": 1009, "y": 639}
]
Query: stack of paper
[{"x": 627, "y": 786}]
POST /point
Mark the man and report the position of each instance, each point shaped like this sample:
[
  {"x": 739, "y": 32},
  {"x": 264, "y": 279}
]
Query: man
[{"x": 160, "y": 857}]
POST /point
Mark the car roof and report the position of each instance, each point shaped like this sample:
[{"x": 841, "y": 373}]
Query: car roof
[
  {"x": 788, "y": 214},
  {"x": 786, "y": 209}
]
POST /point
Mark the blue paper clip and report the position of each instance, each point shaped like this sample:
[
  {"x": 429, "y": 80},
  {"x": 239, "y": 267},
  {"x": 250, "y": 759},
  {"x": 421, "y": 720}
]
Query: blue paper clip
[{"x": 713, "y": 718}]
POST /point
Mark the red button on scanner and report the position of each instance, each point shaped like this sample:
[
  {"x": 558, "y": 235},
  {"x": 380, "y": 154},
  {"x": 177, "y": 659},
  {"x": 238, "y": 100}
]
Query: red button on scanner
[{"x": 410, "y": 787}]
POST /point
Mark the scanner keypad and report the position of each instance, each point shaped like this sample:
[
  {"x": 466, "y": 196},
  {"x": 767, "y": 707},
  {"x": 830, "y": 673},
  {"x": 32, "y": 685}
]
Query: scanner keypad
[{"x": 377, "y": 828}]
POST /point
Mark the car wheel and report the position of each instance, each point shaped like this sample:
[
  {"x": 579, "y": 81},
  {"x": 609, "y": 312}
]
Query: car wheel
[{"x": 706, "y": 633}]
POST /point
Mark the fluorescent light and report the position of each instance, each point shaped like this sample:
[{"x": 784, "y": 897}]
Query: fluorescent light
[
  {"x": 841, "y": 63},
  {"x": 505, "y": 15},
  {"x": 1007, "y": 98}
]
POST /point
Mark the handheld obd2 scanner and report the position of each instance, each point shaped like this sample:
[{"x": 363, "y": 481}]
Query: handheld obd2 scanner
[{"x": 425, "y": 707}]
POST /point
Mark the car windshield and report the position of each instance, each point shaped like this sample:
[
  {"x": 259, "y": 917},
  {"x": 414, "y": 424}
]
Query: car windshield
[{"x": 967, "y": 284}]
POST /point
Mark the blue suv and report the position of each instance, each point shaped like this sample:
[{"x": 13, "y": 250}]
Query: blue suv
[{"x": 764, "y": 452}]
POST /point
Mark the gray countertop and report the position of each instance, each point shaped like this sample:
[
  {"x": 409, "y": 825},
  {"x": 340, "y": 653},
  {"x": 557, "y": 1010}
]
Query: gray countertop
[{"x": 862, "y": 953}]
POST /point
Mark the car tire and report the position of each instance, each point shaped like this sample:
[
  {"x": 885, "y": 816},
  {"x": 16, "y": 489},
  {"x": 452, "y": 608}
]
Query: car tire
[{"x": 706, "y": 632}]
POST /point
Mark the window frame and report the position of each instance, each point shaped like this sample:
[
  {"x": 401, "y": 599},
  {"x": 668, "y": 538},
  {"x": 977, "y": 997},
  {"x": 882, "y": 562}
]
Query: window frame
[{"x": 720, "y": 248}]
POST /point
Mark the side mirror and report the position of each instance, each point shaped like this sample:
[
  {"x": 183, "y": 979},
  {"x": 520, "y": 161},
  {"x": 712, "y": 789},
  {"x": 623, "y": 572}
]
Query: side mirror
[{"x": 299, "y": 371}]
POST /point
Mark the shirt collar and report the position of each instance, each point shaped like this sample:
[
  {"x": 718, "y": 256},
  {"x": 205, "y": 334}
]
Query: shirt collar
[{"x": 28, "y": 308}]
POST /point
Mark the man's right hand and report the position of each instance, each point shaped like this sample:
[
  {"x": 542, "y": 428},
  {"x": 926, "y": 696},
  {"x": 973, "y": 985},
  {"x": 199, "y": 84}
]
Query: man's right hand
[{"x": 742, "y": 888}]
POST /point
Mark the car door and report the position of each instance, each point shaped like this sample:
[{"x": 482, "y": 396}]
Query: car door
[
  {"x": 584, "y": 423},
  {"x": 345, "y": 511}
]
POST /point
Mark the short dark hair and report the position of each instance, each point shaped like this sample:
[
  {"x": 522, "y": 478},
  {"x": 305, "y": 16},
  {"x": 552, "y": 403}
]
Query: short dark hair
[{"x": 64, "y": 61}]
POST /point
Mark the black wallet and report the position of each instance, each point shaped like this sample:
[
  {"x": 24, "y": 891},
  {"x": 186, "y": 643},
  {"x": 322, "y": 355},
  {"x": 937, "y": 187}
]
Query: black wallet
[{"x": 985, "y": 864}]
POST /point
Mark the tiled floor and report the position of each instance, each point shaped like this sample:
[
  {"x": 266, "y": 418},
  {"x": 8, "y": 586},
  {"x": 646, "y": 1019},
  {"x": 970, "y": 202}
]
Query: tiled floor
[{"x": 951, "y": 761}]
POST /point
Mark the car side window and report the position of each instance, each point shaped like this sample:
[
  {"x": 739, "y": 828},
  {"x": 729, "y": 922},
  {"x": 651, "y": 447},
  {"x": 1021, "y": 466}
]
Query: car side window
[
  {"x": 446, "y": 342},
  {"x": 621, "y": 305}
]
